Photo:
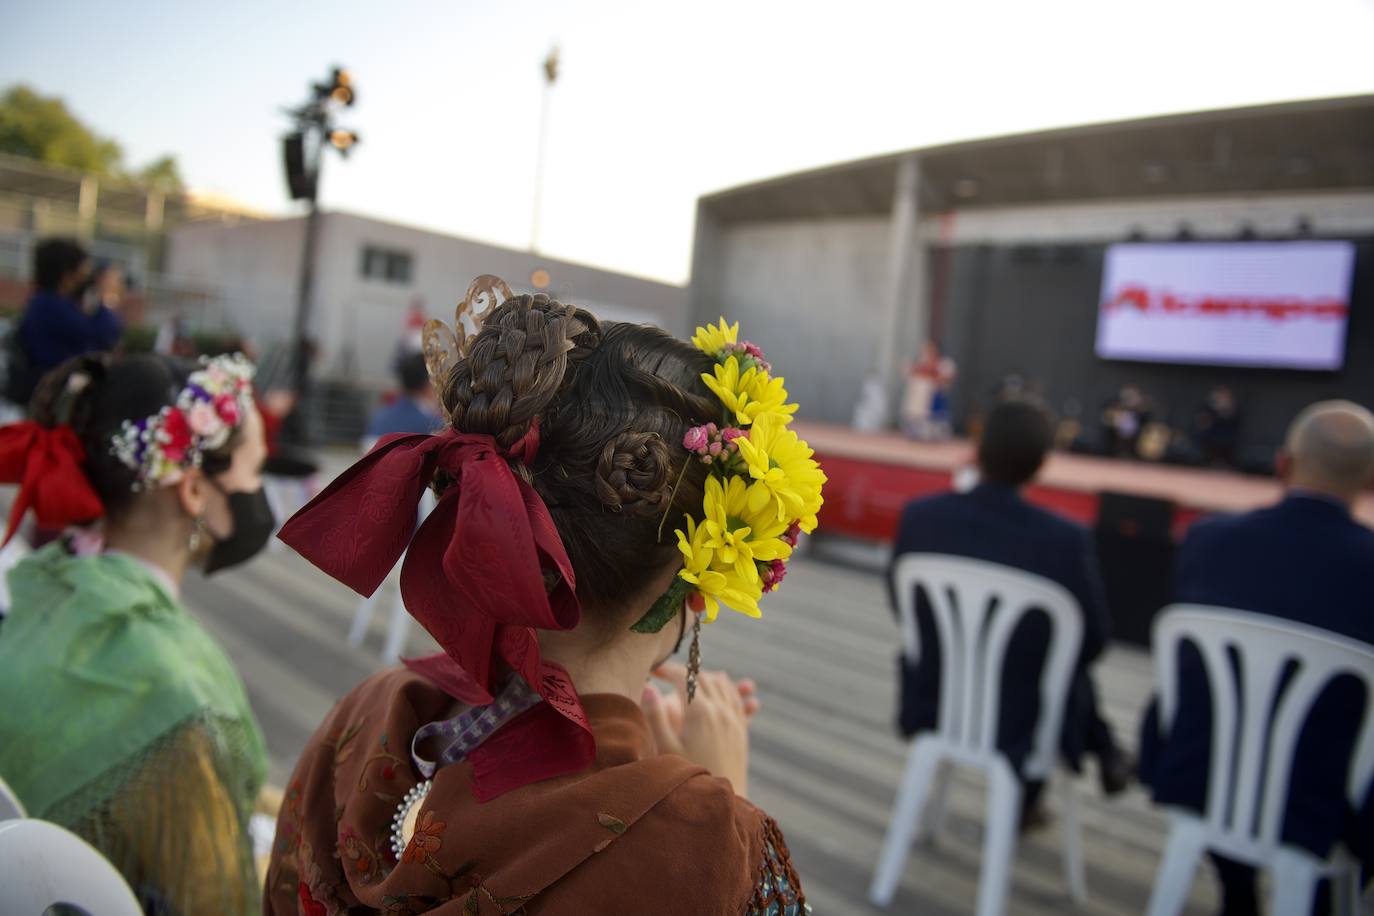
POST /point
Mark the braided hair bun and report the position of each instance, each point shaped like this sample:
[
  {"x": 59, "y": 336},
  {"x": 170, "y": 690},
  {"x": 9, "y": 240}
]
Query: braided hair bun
[
  {"x": 613, "y": 401},
  {"x": 516, "y": 365}
]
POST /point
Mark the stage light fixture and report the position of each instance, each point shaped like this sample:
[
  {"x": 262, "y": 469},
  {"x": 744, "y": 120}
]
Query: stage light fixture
[{"x": 341, "y": 87}]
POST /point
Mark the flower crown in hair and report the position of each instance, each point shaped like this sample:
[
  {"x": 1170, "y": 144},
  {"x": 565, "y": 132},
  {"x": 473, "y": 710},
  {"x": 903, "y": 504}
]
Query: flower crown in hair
[
  {"x": 762, "y": 491},
  {"x": 214, "y": 402}
]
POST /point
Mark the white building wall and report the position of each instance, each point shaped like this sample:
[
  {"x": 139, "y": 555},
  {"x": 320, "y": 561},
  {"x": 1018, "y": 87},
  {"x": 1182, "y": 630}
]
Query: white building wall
[
  {"x": 810, "y": 294},
  {"x": 359, "y": 320},
  {"x": 255, "y": 267}
]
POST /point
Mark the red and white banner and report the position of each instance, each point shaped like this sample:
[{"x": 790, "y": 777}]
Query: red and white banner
[{"x": 1280, "y": 304}]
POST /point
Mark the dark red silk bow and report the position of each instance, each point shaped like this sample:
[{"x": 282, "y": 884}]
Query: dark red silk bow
[
  {"x": 46, "y": 463},
  {"x": 474, "y": 577}
]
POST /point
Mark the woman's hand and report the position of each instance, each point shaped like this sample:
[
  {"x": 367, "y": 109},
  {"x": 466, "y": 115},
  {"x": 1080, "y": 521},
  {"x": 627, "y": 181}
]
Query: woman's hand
[{"x": 712, "y": 730}]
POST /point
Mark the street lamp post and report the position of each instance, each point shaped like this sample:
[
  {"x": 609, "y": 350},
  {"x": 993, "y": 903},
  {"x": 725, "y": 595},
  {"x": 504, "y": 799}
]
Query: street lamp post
[
  {"x": 550, "y": 77},
  {"x": 304, "y": 153}
]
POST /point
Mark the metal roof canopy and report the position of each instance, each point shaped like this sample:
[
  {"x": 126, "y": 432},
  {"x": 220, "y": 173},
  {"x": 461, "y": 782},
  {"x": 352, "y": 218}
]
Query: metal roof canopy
[{"x": 1316, "y": 145}]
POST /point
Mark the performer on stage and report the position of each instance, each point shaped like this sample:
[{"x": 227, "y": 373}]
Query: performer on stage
[
  {"x": 120, "y": 718},
  {"x": 1124, "y": 419},
  {"x": 603, "y": 488},
  {"x": 925, "y": 405}
]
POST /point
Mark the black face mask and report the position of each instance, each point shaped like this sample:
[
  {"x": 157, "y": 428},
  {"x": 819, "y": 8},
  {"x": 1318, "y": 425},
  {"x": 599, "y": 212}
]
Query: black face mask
[{"x": 253, "y": 526}]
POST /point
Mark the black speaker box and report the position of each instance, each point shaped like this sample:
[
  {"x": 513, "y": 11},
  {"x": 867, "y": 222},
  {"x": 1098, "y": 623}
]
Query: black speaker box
[{"x": 1135, "y": 547}]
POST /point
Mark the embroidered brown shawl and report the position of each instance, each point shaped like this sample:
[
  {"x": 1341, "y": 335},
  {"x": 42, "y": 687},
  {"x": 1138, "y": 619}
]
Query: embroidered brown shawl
[{"x": 635, "y": 833}]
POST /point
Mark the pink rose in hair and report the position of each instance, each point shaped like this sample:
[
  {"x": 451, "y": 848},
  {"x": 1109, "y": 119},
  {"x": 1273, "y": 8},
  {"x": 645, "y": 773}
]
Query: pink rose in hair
[
  {"x": 697, "y": 439},
  {"x": 203, "y": 419}
]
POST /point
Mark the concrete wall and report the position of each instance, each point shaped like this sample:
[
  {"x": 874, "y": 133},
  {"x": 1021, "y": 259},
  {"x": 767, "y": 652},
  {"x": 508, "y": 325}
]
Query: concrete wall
[
  {"x": 809, "y": 293},
  {"x": 358, "y": 320},
  {"x": 255, "y": 267}
]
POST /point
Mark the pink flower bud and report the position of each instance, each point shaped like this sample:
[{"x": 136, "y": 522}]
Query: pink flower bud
[
  {"x": 731, "y": 433},
  {"x": 696, "y": 439},
  {"x": 714, "y": 448},
  {"x": 772, "y": 574}
]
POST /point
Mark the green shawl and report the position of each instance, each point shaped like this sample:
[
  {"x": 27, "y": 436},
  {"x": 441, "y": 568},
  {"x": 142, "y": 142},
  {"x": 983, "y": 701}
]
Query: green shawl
[{"x": 99, "y": 665}]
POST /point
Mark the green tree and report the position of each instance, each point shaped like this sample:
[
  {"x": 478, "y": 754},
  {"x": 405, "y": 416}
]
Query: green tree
[
  {"x": 162, "y": 174},
  {"x": 43, "y": 128}
]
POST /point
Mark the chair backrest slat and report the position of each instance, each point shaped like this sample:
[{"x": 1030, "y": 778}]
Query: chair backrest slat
[
  {"x": 1260, "y": 702},
  {"x": 976, "y": 606}
]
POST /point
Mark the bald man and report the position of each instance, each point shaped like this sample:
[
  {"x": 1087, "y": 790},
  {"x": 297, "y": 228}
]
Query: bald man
[{"x": 1305, "y": 559}]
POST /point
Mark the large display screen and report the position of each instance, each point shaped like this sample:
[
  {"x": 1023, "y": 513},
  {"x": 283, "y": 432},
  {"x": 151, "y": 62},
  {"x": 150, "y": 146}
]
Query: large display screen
[{"x": 1274, "y": 304}]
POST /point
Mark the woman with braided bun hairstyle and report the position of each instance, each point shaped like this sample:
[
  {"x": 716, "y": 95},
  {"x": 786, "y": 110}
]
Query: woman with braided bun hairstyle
[
  {"x": 530, "y": 767},
  {"x": 120, "y": 717}
]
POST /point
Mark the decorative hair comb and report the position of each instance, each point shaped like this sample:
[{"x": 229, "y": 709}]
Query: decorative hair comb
[{"x": 444, "y": 346}]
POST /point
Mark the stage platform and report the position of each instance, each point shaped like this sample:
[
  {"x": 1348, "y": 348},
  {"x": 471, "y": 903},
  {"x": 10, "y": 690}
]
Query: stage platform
[{"x": 873, "y": 475}]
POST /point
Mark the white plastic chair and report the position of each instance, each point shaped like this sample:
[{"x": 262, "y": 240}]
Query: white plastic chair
[
  {"x": 10, "y": 805},
  {"x": 1255, "y": 731},
  {"x": 963, "y": 594},
  {"x": 42, "y": 865},
  {"x": 399, "y": 626}
]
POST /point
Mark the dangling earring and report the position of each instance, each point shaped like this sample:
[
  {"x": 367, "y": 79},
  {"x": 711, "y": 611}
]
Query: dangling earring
[
  {"x": 694, "y": 658},
  {"x": 197, "y": 534}
]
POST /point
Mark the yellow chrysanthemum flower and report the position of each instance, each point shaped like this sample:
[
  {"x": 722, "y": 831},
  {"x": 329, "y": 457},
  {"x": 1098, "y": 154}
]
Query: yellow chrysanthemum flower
[
  {"x": 714, "y": 585},
  {"x": 748, "y": 395},
  {"x": 786, "y": 479},
  {"x": 713, "y": 338},
  {"x": 740, "y": 538}
]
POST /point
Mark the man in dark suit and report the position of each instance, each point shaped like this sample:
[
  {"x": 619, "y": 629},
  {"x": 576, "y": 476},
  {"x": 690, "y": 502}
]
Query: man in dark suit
[
  {"x": 993, "y": 523},
  {"x": 1305, "y": 559}
]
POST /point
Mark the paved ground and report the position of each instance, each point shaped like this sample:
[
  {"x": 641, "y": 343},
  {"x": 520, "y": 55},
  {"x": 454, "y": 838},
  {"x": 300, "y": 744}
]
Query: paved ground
[{"x": 825, "y": 761}]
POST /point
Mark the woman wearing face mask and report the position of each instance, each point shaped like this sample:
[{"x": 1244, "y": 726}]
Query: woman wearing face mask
[{"x": 120, "y": 718}]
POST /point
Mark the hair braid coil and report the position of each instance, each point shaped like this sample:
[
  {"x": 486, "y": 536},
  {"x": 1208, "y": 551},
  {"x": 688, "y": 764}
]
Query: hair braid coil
[{"x": 634, "y": 473}]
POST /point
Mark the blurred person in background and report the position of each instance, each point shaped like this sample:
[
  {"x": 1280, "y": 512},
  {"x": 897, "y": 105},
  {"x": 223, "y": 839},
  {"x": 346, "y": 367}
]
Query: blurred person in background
[
  {"x": 120, "y": 718},
  {"x": 1217, "y": 427},
  {"x": 530, "y": 765},
  {"x": 1124, "y": 419},
  {"x": 1308, "y": 560},
  {"x": 993, "y": 522},
  {"x": 416, "y": 410},
  {"x": 925, "y": 402},
  {"x": 109, "y": 285},
  {"x": 60, "y": 320}
]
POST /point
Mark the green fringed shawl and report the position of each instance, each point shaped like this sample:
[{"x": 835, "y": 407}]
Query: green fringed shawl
[{"x": 105, "y": 682}]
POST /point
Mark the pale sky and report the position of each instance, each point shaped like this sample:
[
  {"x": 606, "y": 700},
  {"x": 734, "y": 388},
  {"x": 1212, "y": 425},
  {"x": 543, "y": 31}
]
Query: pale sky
[{"x": 656, "y": 105}]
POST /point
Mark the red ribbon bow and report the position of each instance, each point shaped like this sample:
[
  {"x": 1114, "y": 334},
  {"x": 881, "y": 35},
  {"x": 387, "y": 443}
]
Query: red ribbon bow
[
  {"x": 46, "y": 463},
  {"x": 473, "y": 577}
]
